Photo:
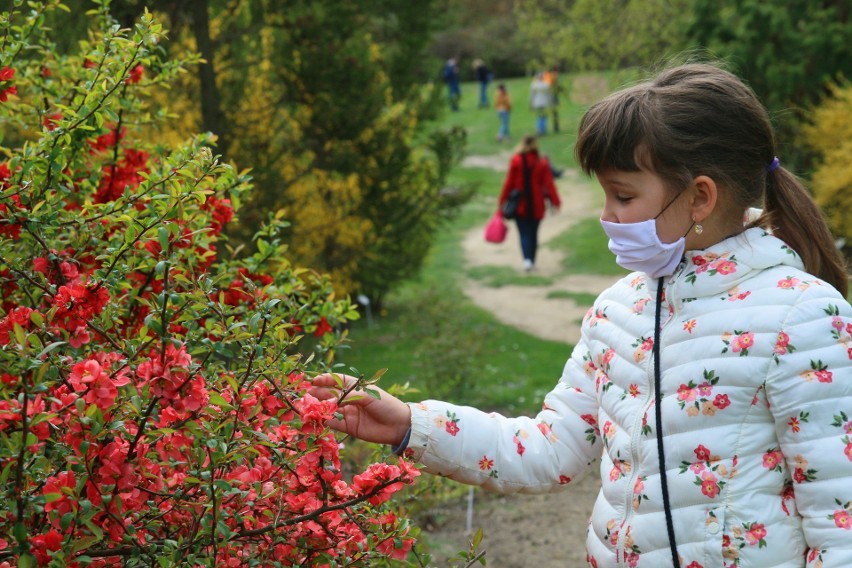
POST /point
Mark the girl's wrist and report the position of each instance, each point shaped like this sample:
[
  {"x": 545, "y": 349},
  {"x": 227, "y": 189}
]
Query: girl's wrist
[
  {"x": 403, "y": 434},
  {"x": 399, "y": 449}
]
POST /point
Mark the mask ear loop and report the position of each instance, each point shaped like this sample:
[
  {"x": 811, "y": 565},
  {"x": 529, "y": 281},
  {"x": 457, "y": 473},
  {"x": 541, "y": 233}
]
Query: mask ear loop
[{"x": 698, "y": 228}]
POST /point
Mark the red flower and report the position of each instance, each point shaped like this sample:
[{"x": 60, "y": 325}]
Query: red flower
[
  {"x": 314, "y": 412},
  {"x": 77, "y": 303},
  {"x": 55, "y": 493},
  {"x": 709, "y": 485},
  {"x": 823, "y": 375},
  {"x": 755, "y": 533},
  {"x": 322, "y": 327},
  {"x": 135, "y": 75},
  {"x": 51, "y": 540},
  {"x": 19, "y": 316},
  {"x": 9, "y": 224},
  {"x": 843, "y": 520},
  {"x": 51, "y": 120},
  {"x": 721, "y": 401},
  {"x": 702, "y": 453},
  {"x": 6, "y": 89},
  {"x": 452, "y": 428}
]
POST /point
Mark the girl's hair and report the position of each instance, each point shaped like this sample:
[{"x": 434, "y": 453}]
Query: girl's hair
[{"x": 698, "y": 119}]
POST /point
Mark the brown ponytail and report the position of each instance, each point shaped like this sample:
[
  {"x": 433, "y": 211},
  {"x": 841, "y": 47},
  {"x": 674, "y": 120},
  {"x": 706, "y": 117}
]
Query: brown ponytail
[{"x": 793, "y": 216}]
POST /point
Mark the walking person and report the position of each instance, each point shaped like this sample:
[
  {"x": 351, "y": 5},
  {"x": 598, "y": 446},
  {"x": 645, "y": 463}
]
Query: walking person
[
  {"x": 551, "y": 77},
  {"x": 453, "y": 80},
  {"x": 711, "y": 387},
  {"x": 483, "y": 76},
  {"x": 540, "y": 102},
  {"x": 503, "y": 104},
  {"x": 531, "y": 174}
]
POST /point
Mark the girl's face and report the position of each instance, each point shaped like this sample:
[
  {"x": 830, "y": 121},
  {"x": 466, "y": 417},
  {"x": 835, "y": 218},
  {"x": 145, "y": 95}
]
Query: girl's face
[{"x": 633, "y": 197}]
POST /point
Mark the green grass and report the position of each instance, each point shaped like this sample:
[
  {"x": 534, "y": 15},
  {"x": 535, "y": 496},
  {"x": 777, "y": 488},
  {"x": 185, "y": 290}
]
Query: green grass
[
  {"x": 579, "y": 298},
  {"x": 433, "y": 337},
  {"x": 586, "y": 250},
  {"x": 499, "y": 276}
]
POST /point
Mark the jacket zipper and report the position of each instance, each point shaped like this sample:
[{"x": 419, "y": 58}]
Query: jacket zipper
[{"x": 636, "y": 434}]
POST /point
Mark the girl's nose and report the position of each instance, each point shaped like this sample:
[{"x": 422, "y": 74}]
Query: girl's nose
[{"x": 607, "y": 215}]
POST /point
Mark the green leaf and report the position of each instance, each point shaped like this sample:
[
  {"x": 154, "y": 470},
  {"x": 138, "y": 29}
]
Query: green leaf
[
  {"x": 217, "y": 399},
  {"x": 378, "y": 375},
  {"x": 20, "y": 532},
  {"x": 50, "y": 347},
  {"x": 163, "y": 237}
]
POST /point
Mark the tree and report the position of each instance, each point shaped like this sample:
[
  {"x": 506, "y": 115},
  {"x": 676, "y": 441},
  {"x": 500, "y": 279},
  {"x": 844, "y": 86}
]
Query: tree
[
  {"x": 331, "y": 140},
  {"x": 612, "y": 34},
  {"x": 326, "y": 117},
  {"x": 789, "y": 51},
  {"x": 153, "y": 406}
]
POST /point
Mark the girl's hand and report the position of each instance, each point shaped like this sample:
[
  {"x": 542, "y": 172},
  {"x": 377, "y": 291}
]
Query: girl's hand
[{"x": 383, "y": 420}]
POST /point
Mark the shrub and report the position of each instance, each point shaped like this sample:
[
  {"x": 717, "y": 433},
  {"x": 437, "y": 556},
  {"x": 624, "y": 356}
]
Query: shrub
[
  {"x": 152, "y": 394},
  {"x": 830, "y": 135}
]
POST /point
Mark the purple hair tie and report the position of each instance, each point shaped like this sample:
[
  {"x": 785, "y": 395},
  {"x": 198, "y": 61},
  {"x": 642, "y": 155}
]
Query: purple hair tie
[{"x": 773, "y": 165}]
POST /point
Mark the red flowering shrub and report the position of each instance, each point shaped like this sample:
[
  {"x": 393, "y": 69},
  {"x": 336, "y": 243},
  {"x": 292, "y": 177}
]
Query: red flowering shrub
[{"x": 152, "y": 395}]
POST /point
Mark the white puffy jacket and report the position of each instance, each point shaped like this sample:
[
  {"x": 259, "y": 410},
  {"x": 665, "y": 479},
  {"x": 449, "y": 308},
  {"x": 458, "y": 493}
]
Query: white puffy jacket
[{"x": 756, "y": 362}]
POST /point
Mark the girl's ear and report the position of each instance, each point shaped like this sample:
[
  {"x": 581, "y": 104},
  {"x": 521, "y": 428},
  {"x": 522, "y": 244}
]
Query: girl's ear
[{"x": 704, "y": 198}]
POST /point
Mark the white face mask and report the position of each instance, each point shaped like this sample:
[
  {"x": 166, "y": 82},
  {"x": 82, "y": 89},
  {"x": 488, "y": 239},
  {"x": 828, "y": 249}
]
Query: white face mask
[{"x": 636, "y": 246}]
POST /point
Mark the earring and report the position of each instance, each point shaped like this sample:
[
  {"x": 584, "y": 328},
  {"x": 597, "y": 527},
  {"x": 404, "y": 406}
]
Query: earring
[{"x": 698, "y": 229}]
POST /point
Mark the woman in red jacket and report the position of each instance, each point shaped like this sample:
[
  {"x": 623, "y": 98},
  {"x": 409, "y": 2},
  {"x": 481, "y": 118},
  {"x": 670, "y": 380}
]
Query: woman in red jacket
[{"x": 527, "y": 164}]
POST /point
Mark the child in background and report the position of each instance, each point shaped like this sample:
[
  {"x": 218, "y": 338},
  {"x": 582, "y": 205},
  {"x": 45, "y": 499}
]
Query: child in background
[
  {"x": 503, "y": 104},
  {"x": 712, "y": 387}
]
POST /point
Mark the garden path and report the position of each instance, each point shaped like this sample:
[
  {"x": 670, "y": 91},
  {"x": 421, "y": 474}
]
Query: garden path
[{"x": 528, "y": 307}]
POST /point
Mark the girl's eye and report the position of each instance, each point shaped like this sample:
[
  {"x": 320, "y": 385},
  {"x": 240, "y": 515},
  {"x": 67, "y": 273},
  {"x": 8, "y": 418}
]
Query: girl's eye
[{"x": 623, "y": 198}]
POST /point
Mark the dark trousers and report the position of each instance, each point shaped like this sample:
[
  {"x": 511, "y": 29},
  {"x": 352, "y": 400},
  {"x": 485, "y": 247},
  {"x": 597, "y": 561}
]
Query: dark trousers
[{"x": 528, "y": 229}]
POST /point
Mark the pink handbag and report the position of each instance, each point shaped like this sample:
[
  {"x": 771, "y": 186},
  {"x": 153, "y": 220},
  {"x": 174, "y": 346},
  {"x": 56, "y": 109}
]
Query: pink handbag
[{"x": 495, "y": 230}]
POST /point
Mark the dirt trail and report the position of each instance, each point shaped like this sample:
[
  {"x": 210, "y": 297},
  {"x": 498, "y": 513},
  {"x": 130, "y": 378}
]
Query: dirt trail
[
  {"x": 522, "y": 531},
  {"x": 528, "y": 307}
]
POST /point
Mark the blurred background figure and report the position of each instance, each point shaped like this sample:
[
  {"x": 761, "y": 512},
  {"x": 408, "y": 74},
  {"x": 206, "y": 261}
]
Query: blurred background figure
[
  {"x": 530, "y": 172},
  {"x": 503, "y": 104},
  {"x": 483, "y": 75},
  {"x": 551, "y": 77},
  {"x": 453, "y": 81},
  {"x": 540, "y": 102}
]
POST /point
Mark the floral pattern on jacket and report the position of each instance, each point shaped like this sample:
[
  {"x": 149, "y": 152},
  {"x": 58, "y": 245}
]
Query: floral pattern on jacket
[{"x": 756, "y": 370}]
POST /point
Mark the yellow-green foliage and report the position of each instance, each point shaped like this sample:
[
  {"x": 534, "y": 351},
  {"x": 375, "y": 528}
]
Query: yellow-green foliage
[
  {"x": 830, "y": 134},
  {"x": 330, "y": 148}
]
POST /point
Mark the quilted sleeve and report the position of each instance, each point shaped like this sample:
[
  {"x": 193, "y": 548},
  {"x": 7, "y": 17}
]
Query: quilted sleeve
[
  {"x": 809, "y": 389},
  {"x": 507, "y": 455}
]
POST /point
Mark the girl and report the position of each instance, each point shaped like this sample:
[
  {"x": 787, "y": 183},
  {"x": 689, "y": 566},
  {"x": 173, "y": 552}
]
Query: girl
[
  {"x": 503, "y": 104},
  {"x": 713, "y": 386}
]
